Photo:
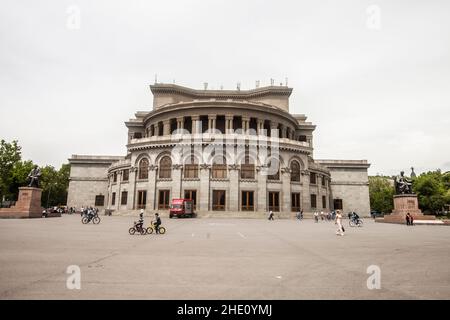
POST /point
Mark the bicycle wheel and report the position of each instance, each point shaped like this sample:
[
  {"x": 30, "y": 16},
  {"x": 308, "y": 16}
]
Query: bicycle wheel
[
  {"x": 360, "y": 223},
  {"x": 351, "y": 223},
  {"x": 132, "y": 231},
  {"x": 96, "y": 220},
  {"x": 162, "y": 230},
  {"x": 85, "y": 220},
  {"x": 149, "y": 230}
]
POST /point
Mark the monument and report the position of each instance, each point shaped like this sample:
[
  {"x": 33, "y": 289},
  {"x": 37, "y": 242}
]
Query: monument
[
  {"x": 29, "y": 203},
  {"x": 405, "y": 201}
]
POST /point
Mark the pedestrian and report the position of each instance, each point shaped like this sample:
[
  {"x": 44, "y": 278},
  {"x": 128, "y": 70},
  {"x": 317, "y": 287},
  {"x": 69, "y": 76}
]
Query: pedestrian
[
  {"x": 316, "y": 216},
  {"x": 409, "y": 219},
  {"x": 322, "y": 217},
  {"x": 340, "y": 231},
  {"x": 270, "y": 215}
]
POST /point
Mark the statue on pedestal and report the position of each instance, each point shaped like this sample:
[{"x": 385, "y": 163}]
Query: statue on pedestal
[
  {"x": 34, "y": 176},
  {"x": 403, "y": 185}
]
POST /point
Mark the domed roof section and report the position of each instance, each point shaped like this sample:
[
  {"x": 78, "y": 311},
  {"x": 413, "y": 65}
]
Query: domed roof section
[{"x": 169, "y": 94}]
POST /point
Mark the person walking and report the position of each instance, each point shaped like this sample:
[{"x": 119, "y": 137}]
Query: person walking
[
  {"x": 340, "y": 231},
  {"x": 409, "y": 219},
  {"x": 270, "y": 215},
  {"x": 316, "y": 216}
]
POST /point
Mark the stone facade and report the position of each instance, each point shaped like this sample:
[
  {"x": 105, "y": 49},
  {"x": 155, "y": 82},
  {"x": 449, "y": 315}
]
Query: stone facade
[{"x": 235, "y": 153}]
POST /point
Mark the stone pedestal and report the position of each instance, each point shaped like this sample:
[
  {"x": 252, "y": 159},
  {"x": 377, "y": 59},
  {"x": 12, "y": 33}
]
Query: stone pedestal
[
  {"x": 404, "y": 203},
  {"x": 28, "y": 205}
]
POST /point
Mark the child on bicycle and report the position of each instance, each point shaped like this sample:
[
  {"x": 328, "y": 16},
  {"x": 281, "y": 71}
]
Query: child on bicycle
[{"x": 157, "y": 222}]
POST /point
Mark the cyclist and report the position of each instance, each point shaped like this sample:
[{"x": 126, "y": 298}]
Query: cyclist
[
  {"x": 140, "y": 223},
  {"x": 157, "y": 222}
]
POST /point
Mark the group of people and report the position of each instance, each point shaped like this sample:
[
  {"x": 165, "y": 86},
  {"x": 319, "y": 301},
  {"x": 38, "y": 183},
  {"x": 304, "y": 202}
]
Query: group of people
[
  {"x": 156, "y": 223},
  {"x": 329, "y": 216}
]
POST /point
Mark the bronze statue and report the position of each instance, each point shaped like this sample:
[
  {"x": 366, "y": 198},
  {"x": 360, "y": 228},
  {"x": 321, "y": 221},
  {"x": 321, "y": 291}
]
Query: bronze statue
[
  {"x": 402, "y": 184},
  {"x": 34, "y": 177}
]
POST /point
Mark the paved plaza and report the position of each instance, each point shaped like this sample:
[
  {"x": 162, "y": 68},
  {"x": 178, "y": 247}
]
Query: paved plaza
[{"x": 222, "y": 259}]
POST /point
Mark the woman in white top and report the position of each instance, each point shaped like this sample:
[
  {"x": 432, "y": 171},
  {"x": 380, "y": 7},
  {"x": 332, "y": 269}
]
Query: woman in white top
[{"x": 340, "y": 230}]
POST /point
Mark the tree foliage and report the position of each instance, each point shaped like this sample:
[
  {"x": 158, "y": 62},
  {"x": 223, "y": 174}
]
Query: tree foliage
[
  {"x": 433, "y": 191},
  {"x": 14, "y": 174},
  {"x": 381, "y": 192},
  {"x": 10, "y": 154}
]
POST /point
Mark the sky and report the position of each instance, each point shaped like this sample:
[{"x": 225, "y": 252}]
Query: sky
[{"x": 374, "y": 76}]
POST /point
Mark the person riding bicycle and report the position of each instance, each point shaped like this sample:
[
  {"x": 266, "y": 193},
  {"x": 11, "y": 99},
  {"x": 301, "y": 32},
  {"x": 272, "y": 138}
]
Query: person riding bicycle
[
  {"x": 354, "y": 216},
  {"x": 157, "y": 222},
  {"x": 140, "y": 223}
]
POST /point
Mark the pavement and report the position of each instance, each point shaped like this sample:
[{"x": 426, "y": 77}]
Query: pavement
[{"x": 222, "y": 259}]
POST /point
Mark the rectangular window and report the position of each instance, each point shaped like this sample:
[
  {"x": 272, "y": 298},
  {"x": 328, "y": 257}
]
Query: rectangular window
[
  {"x": 247, "y": 203},
  {"x": 219, "y": 171},
  {"x": 337, "y": 204},
  {"x": 124, "y": 198},
  {"x": 191, "y": 195},
  {"x": 125, "y": 175},
  {"x": 295, "y": 202},
  {"x": 164, "y": 201},
  {"x": 99, "y": 201},
  {"x": 115, "y": 177},
  {"x": 142, "y": 199},
  {"x": 313, "y": 179},
  {"x": 113, "y": 199},
  {"x": 274, "y": 201},
  {"x": 191, "y": 171},
  {"x": 324, "y": 183},
  {"x": 218, "y": 200},
  {"x": 313, "y": 201},
  {"x": 324, "y": 202},
  {"x": 247, "y": 171}
]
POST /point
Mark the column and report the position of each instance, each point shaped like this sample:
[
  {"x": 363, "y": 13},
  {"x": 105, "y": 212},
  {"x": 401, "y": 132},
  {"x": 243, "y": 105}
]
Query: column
[
  {"x": 274, "y": 129},
  {"x": 262, "y": 190},
  {"x": 180, "y": 123},
  {"x": 212, "y": 122},
  {"x": 228, "y": 123},
  {"x": 245, "y": 124},
  {"x": 157, "y": 129},
  {"x": 166, "y": 127},
  {"x": 306, "y": 193},
  {"x": 283, "y": 132},
  {"x": 260, "y": 127},
  {"x": 151, "y": 189},
  {"x": 176, "y": 181},
  {"x": 233, "y": 197},
  {"x": 286, "y": 190},
  {"x": 131, "y": 203},
  {"x": 195, "y": 124},
  {"x": 204, "y": 188}
]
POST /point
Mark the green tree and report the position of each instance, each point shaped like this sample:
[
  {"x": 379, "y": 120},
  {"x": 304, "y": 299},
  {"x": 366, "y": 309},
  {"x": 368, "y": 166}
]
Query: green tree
[
  {"x": 10, "y": 155},
  {"x": 19, "y": 176},
  {"x": 381, "y": 192},
  {"x": 432, "y": 191},
  {"x": 55, "y": 184}
]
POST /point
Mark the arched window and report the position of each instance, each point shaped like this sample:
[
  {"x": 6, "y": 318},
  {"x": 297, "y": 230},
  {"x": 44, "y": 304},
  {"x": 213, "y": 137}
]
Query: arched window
[
  {"x": 247, "y": 169},
  {"x": 219, "y": 168},
  {"x": 191, "y": 168},
  {"x": 143, "y": 169},
  {"x": 273, "y": 168},
  {"x": 165, "y": 168},
  {"x": 295, "y": 171}
]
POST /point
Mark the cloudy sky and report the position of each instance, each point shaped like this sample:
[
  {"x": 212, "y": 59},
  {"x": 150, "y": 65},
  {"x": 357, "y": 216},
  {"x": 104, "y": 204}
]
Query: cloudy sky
[{"x": 374, "y": 76}]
